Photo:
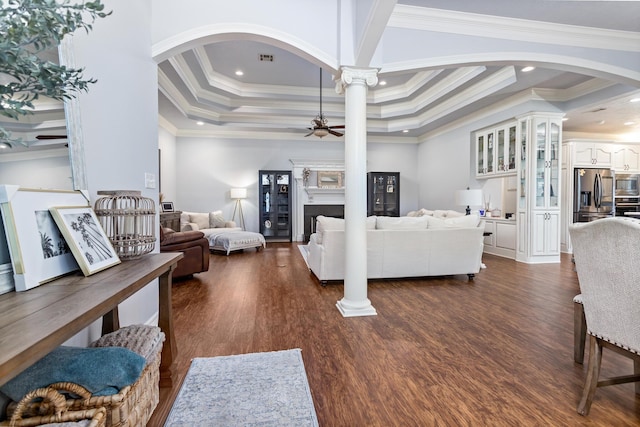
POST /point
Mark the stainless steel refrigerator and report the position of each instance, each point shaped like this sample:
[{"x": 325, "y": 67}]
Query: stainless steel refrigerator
[{"x": 593, "y": 194}]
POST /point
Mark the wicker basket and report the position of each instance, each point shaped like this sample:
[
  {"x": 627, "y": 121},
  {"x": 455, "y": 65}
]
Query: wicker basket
[
  {"x": 58, "y": 412},
  {"x": 131, "y": 406}
]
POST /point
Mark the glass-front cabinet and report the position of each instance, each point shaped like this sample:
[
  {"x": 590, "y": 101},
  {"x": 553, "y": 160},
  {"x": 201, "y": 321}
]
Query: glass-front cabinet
[
  {"x": 539, "y": 136},
  {"x": 275, "y": 205},
  {"x": 496, "y": 151},
  {"x": 383, "y": 193}
]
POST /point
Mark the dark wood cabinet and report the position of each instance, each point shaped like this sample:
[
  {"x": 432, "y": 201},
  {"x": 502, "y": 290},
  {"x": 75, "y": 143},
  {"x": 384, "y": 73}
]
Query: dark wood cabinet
[
  {"x": 275, "y": 205},
  {"x": 170, "y": 220},
  {"x": 383, "y": 193}
]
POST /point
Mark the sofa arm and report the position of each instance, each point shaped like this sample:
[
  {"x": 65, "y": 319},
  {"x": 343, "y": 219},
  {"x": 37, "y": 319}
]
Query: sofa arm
[{"x": 181, "y": 237}]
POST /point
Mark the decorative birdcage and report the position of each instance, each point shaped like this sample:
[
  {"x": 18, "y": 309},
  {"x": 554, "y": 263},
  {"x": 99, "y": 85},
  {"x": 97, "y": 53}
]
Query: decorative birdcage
[{"x": 128, "y": 219}]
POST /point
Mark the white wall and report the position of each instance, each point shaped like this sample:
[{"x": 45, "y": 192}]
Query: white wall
[
  {"x": 120, "y": 119},
  {"x": 211, "y": 167},
  {"x": 167, "y": 144}
]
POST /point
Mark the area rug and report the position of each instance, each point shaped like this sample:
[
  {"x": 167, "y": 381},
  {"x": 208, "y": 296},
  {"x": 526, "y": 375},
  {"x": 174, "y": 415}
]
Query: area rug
[
  {"x": 256, "y": 389},
  {"x": 304, "y": 251}
]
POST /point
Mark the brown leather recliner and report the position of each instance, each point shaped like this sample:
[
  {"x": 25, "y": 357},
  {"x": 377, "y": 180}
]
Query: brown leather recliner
[{"x": 192, "y": 244}]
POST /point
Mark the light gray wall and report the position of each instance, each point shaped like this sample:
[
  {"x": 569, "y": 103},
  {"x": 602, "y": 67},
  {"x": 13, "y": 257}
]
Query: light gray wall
[
  {"x": 211, "y": 167},
  {"x": 120, "y": 120},
  {"x": 167, "y": 144},
  {"x": 38, "y": 169}
]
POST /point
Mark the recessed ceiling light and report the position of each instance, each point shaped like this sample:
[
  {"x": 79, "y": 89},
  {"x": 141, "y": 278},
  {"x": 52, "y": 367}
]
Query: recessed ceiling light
[
  {"x": 527, "y": 69},
  {"x": 200, "y": 123},
  {"x": 564, "y": 119},
  {"x": 382, "y": 82},
  {"x": 629, "y": 123},
  {"x": 635, "y": 100},
  {"x": 239, "y": 73},
  {"x": 405, "y": 131},
  {"x": 601, "y": 122}
]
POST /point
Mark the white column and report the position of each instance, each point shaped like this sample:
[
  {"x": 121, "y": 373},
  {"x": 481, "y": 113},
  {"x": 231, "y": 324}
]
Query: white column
[{"x": 354, "y": 82}]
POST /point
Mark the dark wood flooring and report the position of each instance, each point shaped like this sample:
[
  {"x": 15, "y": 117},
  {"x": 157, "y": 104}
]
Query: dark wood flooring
[{"x": 497, "y": 351}]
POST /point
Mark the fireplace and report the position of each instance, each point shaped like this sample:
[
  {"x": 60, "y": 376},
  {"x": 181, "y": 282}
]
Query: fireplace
[{"x": 312, "y": 211}]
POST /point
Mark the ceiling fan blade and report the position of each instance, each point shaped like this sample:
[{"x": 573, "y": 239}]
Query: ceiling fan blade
[
  {"x": 333, "y": 132},
  {"x": 42, "y": 137},
  {"x": 310, "y": 133},
  {"x": 337, "y": 127}
]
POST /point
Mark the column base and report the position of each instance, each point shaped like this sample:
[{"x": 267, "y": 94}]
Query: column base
[{"x": 356, "y": 308}]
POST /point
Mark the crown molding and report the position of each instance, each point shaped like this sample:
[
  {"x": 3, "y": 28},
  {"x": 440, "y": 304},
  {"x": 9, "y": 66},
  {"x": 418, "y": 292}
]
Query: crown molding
[{"x": 479, "y": 25}]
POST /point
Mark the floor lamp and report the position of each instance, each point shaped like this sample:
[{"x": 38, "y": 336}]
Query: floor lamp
[{"x": 238, "y": 194}]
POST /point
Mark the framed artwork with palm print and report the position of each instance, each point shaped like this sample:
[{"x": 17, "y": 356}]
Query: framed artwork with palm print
[
  {"x": 38, "y": 250},
  {"x": 86, "y": 238}
]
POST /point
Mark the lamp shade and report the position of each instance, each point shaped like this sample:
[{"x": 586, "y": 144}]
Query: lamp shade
[
  {"x": 238, "y": 193},
  {"x": 469, "y": 197}
]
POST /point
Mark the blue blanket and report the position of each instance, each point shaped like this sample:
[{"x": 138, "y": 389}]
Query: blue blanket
[{"x": 102, "y": 371}]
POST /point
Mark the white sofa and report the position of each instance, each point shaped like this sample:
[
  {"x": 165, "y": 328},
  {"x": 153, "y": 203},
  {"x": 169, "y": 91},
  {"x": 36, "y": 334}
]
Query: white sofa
[
  {"x": 207, "y": 222},
  {"x": 402, "y": 247}
]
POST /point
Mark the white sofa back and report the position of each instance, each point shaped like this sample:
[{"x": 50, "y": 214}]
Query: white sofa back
[{"x": 402, "y": 247}]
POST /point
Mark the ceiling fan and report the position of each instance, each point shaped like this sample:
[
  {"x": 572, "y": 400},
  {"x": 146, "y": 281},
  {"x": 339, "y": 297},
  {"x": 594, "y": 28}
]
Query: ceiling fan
[
  {"x": 45, "y": 137},
  {"x": 320, "y": 128}
]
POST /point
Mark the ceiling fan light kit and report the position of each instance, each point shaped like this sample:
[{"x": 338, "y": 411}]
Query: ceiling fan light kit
[{"x": 319, "y": 123}]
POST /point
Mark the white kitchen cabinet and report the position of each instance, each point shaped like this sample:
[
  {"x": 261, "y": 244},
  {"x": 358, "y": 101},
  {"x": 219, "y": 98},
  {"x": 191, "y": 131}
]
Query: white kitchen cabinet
[
  {"x": 593, "y": 154},
  {"x": 540, "y": 187},
  {"x": 502, "y": 241},
  {"x": 626, "y": 158},
  {"x": 496, "y": 151},
  {"x": 545, "y": 240}
]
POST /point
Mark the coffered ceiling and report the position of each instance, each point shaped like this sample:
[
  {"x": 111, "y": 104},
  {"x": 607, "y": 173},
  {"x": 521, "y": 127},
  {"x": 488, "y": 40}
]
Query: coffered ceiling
[{"x": 278, "y": 92}]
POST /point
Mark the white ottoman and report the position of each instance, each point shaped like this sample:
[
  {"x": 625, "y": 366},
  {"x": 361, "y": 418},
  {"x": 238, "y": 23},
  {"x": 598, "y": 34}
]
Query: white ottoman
[{"x": 235, "y": 240}]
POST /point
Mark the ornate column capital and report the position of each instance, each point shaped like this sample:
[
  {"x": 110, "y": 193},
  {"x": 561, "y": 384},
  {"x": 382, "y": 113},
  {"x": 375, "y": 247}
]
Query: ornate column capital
[{"x": 348, "y": 76}]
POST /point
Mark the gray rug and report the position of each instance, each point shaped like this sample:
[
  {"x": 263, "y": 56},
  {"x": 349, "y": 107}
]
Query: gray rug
[{"x": 256, "y": 389}]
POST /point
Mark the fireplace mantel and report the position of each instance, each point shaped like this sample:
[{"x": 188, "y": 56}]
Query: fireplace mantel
[{"x": 306, "y": 194}]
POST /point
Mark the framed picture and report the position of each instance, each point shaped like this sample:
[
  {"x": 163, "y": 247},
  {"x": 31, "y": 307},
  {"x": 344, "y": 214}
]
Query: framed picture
[
  {"x": 390, "y": 188},
  {"x": 167, "y": 206},
  {"x": 39, "y": 252},
  {"x": 86, "y": 238},
  {"x": 329, "y": 179}
]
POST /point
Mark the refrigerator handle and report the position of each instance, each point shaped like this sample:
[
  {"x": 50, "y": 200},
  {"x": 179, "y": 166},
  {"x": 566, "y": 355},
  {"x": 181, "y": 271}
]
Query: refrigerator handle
[{"x": 597, "y": 189}]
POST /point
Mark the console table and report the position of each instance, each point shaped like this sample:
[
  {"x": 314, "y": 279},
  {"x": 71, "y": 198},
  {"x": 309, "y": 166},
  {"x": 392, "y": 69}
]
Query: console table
[{"x": 36, "y": 321}]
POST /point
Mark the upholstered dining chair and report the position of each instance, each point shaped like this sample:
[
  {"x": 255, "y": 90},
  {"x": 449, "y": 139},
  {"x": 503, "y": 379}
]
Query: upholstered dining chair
[{"x": 606, "y": 253}]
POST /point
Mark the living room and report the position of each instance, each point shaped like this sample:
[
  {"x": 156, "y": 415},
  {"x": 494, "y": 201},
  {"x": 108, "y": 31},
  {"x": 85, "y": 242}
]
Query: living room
[{"x": 122, "y": 131}]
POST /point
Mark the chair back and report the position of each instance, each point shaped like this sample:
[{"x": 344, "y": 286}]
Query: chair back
[{"x": 607, "y": 257}]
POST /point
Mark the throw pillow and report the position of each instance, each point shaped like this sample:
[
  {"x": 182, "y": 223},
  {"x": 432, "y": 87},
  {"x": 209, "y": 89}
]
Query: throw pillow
[
  {"x": 190, "y": 226},
  {"x": 200, "y": 219},
  {"x": 401, "y": 223},
  {"x": 216, "y": 220}
]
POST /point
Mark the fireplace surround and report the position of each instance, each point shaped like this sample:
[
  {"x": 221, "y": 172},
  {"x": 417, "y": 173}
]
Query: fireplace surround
[{"x": 312, "y": 211}]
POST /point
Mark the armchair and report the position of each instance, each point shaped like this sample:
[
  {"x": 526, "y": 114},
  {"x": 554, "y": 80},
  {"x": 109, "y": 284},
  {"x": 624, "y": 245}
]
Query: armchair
[
  {"x": 192, "y": 244},
  {"x": 606, "y": 253}
]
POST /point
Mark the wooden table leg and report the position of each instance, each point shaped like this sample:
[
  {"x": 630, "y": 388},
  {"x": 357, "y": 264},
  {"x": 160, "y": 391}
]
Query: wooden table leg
[
  {"x": 165, "y": 322},
  {"x": 111, "y": 321}
]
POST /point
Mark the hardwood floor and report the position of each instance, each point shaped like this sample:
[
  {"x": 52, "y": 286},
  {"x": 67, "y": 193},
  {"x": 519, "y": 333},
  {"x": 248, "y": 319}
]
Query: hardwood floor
[{"x": 497, "y": 351}]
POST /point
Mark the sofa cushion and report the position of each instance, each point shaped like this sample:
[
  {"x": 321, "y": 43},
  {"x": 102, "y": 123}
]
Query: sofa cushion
[
  {"x": 401, "y": 223},
  {"x": 454, "y": 222},
  {"x": 200, "y": 219},
  {"x": 216, "y": 220}
]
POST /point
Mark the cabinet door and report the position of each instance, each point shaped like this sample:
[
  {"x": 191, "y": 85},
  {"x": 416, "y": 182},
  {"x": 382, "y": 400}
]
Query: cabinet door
[
  {"x": 540, "y": 164},
  {"x": 511, "y": 149},
  {"x": 501, "y": 151},
  {"x": 602, "y": 155},
  {"x": 545, "y": 239},
  {"x": 480, "y": 155},
  {"x": 275, "y": 204},
  {"x": 489, "y": 227},
  {"x": 553, "y": 163},
  {"x": 491, "y": 153},
  {"x": 626, "y": 159},
  {"x": 383, "y": 193}
]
